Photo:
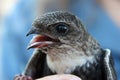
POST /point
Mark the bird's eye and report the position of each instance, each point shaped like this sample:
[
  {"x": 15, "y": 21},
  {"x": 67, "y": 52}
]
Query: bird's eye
[{"x": 61, "y": 29}]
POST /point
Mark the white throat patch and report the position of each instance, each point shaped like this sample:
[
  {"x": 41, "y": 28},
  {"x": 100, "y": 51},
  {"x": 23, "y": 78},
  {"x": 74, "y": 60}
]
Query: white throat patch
[{"x": 67, "y": 61}]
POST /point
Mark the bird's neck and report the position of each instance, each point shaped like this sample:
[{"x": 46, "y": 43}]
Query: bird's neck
[
  {"x": 66, "y": 57},
  {"x": 89, "y": 46}
]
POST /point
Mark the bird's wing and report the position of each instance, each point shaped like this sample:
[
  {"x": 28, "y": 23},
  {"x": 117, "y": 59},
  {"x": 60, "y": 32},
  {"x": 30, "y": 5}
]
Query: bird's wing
[
  {"x": 35, "y": 65},
  {"x": 108, "y": 65}
]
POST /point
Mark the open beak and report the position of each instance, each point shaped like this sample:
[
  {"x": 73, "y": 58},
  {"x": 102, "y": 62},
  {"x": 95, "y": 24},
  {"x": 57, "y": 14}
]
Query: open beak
[{"x": 40, "y": 41}]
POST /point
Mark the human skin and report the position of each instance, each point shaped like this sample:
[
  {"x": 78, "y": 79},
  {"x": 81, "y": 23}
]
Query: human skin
[{"x": 60, "y": 77}]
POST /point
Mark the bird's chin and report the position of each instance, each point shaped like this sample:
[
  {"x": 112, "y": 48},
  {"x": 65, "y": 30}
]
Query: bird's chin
[{"x": 42, "y": 42}]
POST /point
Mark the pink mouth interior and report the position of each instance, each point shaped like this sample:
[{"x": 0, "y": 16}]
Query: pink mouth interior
[{"x": 40, "y": 41}]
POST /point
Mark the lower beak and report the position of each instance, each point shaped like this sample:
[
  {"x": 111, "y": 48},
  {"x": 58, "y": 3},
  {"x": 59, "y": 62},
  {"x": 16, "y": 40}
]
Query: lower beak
[{"x": 40, "y": 41}]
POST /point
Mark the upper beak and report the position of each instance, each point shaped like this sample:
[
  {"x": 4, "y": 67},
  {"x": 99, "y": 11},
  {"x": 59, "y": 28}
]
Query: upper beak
[{"x": 33, "y": 30}]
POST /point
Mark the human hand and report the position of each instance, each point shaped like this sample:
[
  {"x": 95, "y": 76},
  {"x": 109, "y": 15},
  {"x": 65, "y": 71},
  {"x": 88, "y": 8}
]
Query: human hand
[
  {"x": 60, "y": 77},
  {"x": 52, "y": 77}
]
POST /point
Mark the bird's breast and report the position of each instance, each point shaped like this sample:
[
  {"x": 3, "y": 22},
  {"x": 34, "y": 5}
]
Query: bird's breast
[{"x": 65, "y": 61}]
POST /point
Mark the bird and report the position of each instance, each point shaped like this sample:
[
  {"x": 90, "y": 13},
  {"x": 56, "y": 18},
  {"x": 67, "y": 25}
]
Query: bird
[{"x": 63, "y": 46}]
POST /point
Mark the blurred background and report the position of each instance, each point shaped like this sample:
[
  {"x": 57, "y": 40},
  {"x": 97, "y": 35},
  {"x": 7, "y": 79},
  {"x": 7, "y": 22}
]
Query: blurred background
[{"x": 101, "y": 18}]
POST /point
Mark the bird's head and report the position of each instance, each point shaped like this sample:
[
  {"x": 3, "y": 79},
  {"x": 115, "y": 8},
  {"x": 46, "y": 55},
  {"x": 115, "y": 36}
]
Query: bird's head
[{"x": 56, "y": 28}]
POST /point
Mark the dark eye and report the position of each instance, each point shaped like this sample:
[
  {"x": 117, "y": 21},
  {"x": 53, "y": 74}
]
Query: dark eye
[{"x": 61, "y": 29}]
